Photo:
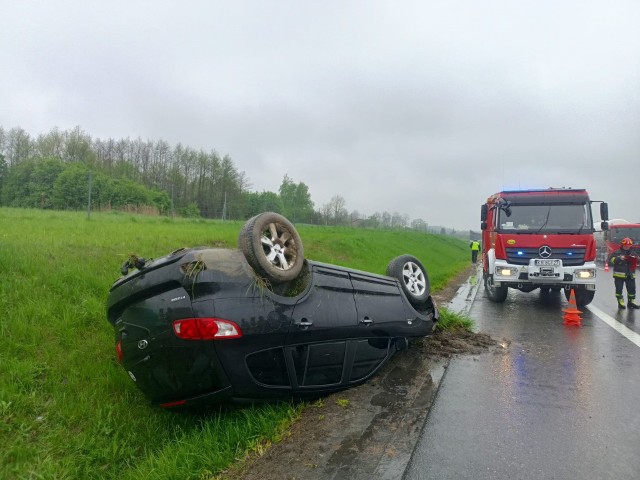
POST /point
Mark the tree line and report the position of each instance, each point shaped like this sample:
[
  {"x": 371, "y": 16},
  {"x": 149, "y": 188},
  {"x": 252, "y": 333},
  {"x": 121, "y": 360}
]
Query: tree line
[{"x": 57, "y": 170}]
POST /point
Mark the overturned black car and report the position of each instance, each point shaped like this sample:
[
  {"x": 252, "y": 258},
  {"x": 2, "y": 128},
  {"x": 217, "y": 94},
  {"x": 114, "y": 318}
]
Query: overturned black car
[{"x": 209, "y": 325}]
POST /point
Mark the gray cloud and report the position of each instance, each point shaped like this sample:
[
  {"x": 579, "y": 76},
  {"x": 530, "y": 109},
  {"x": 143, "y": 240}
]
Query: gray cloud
[{"x": 423, "y": 108}]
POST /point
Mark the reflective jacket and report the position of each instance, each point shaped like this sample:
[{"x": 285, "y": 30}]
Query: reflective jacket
[
  {"x": 475, "y": 245},
  {"x": 624, "y": 268}
]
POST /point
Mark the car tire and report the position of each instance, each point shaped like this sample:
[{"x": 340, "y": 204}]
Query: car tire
[
  {"x": 413, "y": 278},
  {"x": 495, "y": 294},
  {"x": 272, "y": 247}
]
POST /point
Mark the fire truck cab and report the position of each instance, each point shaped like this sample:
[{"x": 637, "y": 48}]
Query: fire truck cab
[
  {"x": 611, "y": 238},
  {"x": 540, "y": 239}
]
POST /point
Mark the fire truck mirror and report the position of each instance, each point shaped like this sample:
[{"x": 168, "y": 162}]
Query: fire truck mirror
[
  {"x": 483, "y": 226},
  {"x": 483, "y": 213},
  {"x": 604, "y": 226},
  {"x": 505, "y": 206},
  {"x": 604, "y": 212}
]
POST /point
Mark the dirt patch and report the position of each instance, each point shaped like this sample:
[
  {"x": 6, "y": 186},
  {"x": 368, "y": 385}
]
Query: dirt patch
[
  {"x": 453, "y": 342},
  {"x": 368, "y": 431}
]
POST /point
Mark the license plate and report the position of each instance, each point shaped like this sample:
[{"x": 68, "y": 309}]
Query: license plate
[{"x": 546, "y": 262}]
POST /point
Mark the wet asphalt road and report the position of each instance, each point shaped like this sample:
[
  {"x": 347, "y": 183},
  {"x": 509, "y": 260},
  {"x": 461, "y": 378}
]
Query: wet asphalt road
[{"x": 554, "y": 402}]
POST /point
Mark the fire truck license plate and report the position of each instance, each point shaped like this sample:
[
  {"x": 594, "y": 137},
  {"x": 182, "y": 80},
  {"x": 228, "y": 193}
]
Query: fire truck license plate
[{"x": 546, "y": 262}]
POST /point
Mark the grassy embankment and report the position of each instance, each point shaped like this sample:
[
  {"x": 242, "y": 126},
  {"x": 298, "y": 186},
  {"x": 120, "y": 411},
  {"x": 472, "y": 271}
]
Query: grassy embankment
[{"x": 67, "y": 410}]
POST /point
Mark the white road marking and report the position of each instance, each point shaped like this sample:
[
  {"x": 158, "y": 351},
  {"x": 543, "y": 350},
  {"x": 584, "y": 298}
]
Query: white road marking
[{"x": 621, "y": 329}]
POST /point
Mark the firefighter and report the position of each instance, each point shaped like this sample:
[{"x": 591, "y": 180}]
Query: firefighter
[
  {"x": 624, "y": 263},
  {"x": 475, "y": 247}
]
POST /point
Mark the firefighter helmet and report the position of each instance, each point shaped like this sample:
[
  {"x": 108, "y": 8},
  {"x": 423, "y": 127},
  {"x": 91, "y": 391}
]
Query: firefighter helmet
[{"x": 626, "y": 242}]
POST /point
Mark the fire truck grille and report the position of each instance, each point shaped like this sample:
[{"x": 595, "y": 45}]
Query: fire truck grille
[{"x": 570, "y": 257}]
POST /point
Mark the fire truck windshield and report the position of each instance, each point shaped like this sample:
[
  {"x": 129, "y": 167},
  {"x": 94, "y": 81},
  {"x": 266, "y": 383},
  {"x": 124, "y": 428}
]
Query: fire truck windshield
[
  {"x": 618, "y": 233},
  {"x": 560, "y": 218}
]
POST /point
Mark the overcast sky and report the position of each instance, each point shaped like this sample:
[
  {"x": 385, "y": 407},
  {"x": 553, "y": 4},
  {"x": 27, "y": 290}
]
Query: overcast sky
[{"x": 419, "y": 107}]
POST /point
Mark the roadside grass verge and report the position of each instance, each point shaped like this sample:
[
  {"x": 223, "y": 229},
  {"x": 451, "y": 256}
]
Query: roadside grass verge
[
  {"x": 450, "y": 321},
  {"x": 67, "y": 409}
]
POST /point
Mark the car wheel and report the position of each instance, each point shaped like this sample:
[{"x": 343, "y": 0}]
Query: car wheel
[
  {"x": 495, "y": 294},
  {"x": 583, "y": 297},
  {"x": 272, "y": 247},
  {"x": 412, "y": 276}
]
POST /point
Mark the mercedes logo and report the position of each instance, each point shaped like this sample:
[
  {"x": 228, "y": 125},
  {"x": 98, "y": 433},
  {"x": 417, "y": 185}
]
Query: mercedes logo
[{"x": 545, "y": 251}]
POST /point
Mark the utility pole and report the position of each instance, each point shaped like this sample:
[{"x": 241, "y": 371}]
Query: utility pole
[
  {"x": 89, "y": 202},
  {"x": 224, "y": 207}
]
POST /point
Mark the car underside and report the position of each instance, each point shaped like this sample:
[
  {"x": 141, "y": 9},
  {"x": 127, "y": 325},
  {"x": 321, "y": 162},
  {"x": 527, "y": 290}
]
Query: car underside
[{"x": 209, "y": 325}]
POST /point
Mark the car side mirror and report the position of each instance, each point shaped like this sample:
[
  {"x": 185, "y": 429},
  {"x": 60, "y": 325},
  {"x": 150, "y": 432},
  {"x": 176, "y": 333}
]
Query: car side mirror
[
  {"x": 604, "y": 226},
  {"x": 483, "y": 213}
]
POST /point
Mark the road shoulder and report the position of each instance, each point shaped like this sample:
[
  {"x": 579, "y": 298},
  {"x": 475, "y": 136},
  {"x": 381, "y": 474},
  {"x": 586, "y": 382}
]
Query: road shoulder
[{"x": 368, "y": 431}]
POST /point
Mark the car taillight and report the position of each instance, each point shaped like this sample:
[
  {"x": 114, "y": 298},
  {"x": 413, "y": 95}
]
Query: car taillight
[
  {"x": 206, "y": 329},
  {"x": 119, "y": 351}
]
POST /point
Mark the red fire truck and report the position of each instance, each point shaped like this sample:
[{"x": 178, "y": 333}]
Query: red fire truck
[
  {"x": 540, "y": 239},
  {"x": 618, "y": 229}
]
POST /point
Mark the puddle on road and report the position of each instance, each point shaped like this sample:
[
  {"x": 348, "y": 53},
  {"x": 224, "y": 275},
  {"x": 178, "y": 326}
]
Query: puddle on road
[{"x": 462, "y": 300}]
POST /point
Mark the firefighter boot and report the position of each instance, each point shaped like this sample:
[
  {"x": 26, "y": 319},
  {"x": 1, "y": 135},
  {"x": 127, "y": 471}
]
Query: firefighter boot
[
  {"x": 621, "y": 305},
  {"x": 632, "y": 303}
]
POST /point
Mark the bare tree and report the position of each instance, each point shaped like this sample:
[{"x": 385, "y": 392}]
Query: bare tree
[
  {"x": 78, "y": 147},
  {"x": 3, "y": 141},
  {"x": 325, "y": 210},
  {"x": 338, "y": 211},
  {"x": 419, "y": 224},
  {"x": 386, "y": 220},
  {"x": 50, "y": 145},
  {"x": 18, "y": 146},
  {"x": 355, "y": 219}
]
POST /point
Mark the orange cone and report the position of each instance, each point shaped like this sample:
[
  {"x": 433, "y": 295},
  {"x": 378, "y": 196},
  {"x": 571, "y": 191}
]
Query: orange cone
[
  {"x": 606, "y": 266},
  {"x": 572, "y": 316}
]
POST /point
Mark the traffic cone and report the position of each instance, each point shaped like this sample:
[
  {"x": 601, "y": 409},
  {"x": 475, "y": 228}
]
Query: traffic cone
[
  {"x": 606, "y": 266},
  {"x": 572, "y": 316}
]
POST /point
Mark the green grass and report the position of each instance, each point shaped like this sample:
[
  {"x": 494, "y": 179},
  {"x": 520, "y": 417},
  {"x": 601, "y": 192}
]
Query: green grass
[
  {"x": 371, "y": 250},
  {"x": 451, "y": 320},
  {"x": 67, "y": 410}
]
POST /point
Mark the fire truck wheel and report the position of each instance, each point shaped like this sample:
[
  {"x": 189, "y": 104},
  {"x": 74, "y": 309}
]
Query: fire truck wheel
[
  {"x": 583, "y": 297},
  {"x": 495, "y": 294}
]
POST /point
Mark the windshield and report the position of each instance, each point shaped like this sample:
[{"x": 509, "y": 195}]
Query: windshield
[
  {"x": 617, "y": 234},
  {"x": 547, "y": 219}
]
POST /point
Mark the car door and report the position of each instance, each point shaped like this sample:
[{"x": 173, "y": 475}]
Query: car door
[
  {"x": 258, "y": 357},
  {"x": 381, "y": 316},
  {"x": 322, "y": 323}
]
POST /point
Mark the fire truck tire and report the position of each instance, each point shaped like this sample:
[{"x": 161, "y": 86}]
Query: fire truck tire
[
  {"x": 495, "y": 294},
  {"x": 583, "y": 297}
]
